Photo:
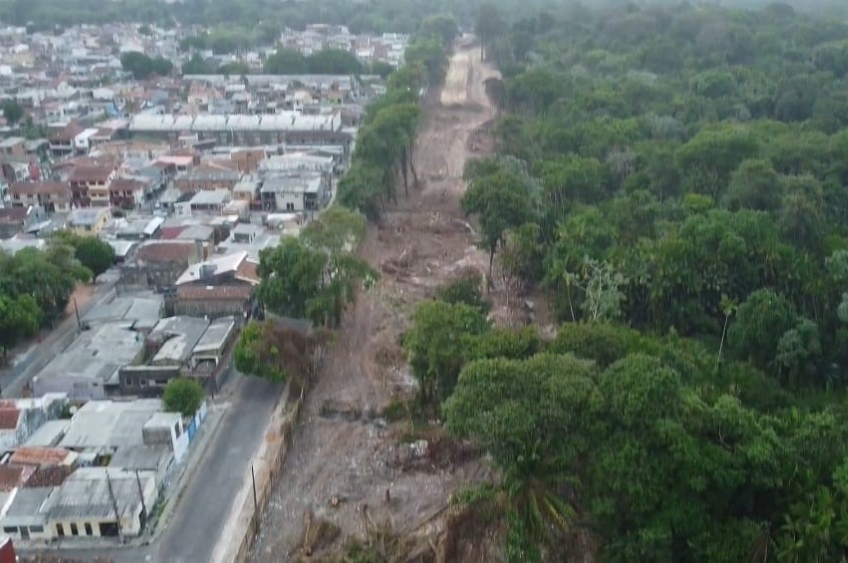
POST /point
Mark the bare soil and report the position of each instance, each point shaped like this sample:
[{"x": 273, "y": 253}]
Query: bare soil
[{"x": 345, "y": 461}]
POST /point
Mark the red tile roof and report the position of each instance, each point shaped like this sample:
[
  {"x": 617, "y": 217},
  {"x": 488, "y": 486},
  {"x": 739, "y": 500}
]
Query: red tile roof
[
  {"x": 247, "y": 271},
  {"x": 9, "y": 418},
  {"x": 10, "y": 477},
  {"x": 33, "y": 188},
  {"x": 168, "y": 233},
  {"x": 13, "y": 215},
  {"x": 26, "y": 455},
  {"x": 171, "y": 251},
  {"x": 50, "y": 476},
  {"x": 99, "y": 174},
  {"x": 215, "y": 292}
]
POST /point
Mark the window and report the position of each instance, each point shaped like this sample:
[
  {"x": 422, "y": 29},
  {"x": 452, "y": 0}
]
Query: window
[
  {"x": 88, "y": 531},
  {"x": 142, "y": 382},
  {"x": 36, "y": 529},
  {"x": 289, "y": 207},
  {"x": 74, "y": 529},
  {"x": 60, "y": 530},
  {"x": 10, "y": 529}
]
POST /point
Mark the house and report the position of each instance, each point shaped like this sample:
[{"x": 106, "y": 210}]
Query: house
[
  {"x": 88, "y": 368},
  {"x": 20, "y": 418},
  {"x": 295, "y": 191},
  {"x": 62, "y": 141},
  {"x": 175, "y": 339},
  {"x": 157, "y": 264},
  {"x": 88, "y": 222},
  {"x": 13, "y": 146},
  {"x": 15, "y": 220},
  {"x": 90, "y": 502},
  {"x": 207, "y": 177},
  {"x": 247, "y": 160},
  {"x": 52, "y": 196},
  {"x": 221, "y": 286},
  {"x": 129, "y": 193},
  {"x": 208, "y": 202},
  {"x": 247, "y": 189},
  {"x": 90, "y": 185},
  {"x": 212, "y": 346}
]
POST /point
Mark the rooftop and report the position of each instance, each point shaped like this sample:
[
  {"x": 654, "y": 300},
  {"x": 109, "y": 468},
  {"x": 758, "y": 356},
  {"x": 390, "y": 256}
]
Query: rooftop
[
  {"x": 27, "y": 455},
  {"x": 110, "y": 424},
  {"x": 86, "y": 494},
  {"x": 287, "y": 121},
  {"x": 141, "y": 310},
  {"x": 33, "y": 188},
  {"x": 216, "y": 335},
  {"x": 96, "y": 355},
  {"x": 48, "y": 434},
  {"x": 228, "y": 263},
  {"x": 179, "y": 335},
  {"x": 86, "y": 217},
  {"x": 210, "y": 197},
  {"x": 215, "y": 292},
  {"x": 166, "y": 251}
]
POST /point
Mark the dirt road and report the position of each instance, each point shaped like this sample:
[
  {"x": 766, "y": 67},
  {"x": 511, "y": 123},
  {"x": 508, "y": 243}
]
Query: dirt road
[{"x": 343, "y": 457}]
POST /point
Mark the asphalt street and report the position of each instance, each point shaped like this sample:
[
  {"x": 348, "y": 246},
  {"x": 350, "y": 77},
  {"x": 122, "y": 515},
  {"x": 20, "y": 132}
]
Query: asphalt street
[{"x": 205, "y": 503}]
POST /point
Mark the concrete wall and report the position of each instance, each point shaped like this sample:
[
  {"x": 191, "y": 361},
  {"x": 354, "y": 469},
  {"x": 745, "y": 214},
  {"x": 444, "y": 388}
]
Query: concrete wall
[{"x": 241, "y": 529}]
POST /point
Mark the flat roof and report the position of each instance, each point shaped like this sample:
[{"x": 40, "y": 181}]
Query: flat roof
[
  {"x": 86, "y": 494},
  {"x": 48, "y": 434},
  {"x": 180, "y": 335},
  {"x": 88, "y": 216},
  {"x": 216, "y": 335},
  {"x": 145, "y": 306},
  {"x": 210, "y": 197},
  {"x": 103, "y": 424},
  {"x": 28, "y": 502},
  {"x": 285, "y": 121},
  {"x": 96, "y": 354}
]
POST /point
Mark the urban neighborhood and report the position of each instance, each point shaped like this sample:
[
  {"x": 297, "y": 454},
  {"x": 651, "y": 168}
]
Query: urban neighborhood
[{"x": 184, "y": 179}]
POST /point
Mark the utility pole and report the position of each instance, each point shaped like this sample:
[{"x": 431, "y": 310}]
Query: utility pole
[
  {"x": 141, "y": 495},
  {"x": 255, "y": 501},
  {"x": 76, "y": 310},
  {"x": 114, "y": 502}
]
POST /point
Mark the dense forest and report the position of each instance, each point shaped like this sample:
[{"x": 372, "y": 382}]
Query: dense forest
[{"x": 675, "y": 181}]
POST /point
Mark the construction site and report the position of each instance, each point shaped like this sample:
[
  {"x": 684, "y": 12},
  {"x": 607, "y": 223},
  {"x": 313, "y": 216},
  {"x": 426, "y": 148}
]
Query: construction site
[{"x": 350, "y": 472}]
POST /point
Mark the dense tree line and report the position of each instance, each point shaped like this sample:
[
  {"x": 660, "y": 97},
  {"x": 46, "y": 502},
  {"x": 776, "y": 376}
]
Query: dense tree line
[
  {"x": 36, "y": 286},
  {"x": 674, "y": 179},
  {"x": 316, "y": 275},
  {"x": 143, "y": 67},
  {"x": 325, "y": 61},
  {"x": 385, "y": 140}
]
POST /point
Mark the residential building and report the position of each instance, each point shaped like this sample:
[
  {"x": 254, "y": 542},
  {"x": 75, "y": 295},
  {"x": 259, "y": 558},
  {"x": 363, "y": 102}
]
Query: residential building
[
  {"x": 206, "y": 202},
  {"x": 52, "y": 196},
  {"x": 62, "y": 141},
  {"x": 207, "y": 177},
  {"x": 157, "y": 264},
  {"x": 90, "y": 185},
  {"x": 88, "y": 368},
  {"x": 295, "y": 191},
  {"x": 13, "y": 146},
  {"x": 129, "y": 193},
  {"x": 212, "y": 346},
  {"x": 221, "y": 286},
  {"x": 20, "y": 418},
  {"x": 16, "y": 220},
  {"x": 174, "y": 339},
  {"x": 88, "y": 222}
]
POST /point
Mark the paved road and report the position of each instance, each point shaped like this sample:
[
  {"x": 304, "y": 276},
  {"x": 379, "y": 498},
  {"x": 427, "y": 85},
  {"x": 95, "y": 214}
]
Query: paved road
[{"x": 205, "y": 504}]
